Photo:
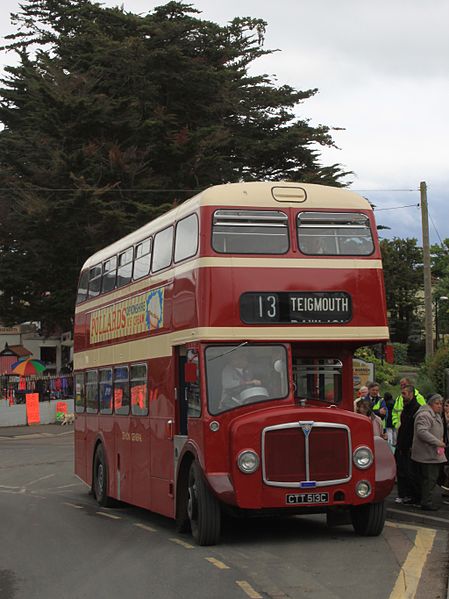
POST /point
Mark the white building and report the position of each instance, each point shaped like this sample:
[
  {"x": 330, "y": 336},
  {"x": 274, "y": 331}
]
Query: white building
[{"x": 55, "y": 352}]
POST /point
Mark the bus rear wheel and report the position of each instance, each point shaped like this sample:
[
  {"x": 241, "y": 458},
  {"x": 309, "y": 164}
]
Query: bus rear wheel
[
  {"x": 100, "y": 478},
  {"x": 203, "y": 509},
  {"x": 368, "y": 520}
]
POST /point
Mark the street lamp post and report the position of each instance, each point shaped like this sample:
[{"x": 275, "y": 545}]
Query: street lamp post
[{"x": 437, "y": 305}]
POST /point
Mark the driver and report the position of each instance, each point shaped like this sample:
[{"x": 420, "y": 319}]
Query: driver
[{"x": 236, "y": 377}]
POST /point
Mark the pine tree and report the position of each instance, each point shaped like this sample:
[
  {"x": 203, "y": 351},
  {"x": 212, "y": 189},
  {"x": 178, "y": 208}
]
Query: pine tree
[{"x": 111, "y": 117}]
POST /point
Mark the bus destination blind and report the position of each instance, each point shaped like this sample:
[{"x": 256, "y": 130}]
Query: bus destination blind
[{"x": 296, "y": 307}]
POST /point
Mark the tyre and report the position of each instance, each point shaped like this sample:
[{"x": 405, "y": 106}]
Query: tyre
[
  {"x": 203, "y": 509},
  {"x": 368, "y": 520},
  {"x": 182, "y": 517},
  {"x": 100, "y": 478}
]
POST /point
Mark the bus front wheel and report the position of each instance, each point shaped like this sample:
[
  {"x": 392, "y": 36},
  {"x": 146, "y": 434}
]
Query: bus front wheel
[
  {"x": 203, "y": 509},
  {"x": 100, "y": 478},
  {"x": 368, "y": 520}
]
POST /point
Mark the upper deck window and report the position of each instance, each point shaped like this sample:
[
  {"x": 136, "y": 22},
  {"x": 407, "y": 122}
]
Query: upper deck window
[
  {"x": 82, "y": 287},
  {"x": 125, "y": 267},
  {"x": 186, "y": 243},
  {"x": 163, "y": 249},
  {"x": 334, "y": 234},
  {"x": 250, "y": 232},
  {"x": 142, "y": 259},
  {"x": 94, "y": 280},
  {"x": 109, "y": 274}
]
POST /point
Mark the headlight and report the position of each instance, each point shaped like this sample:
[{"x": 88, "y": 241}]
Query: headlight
[
  {"x": 363, "y": 457},
  {"x": 363, "y": 489},
  {"x": 248, "y": 461}
]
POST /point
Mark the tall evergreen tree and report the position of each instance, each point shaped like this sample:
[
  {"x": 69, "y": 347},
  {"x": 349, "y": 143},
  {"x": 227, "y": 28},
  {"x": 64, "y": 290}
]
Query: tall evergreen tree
[
  {"x": 402, "y": 264},
  {"x": 110, "y": 117}
]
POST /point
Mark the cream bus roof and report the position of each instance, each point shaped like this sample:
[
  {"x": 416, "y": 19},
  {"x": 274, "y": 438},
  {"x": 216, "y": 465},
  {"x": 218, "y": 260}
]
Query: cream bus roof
[{"x": 271, "y": 194}]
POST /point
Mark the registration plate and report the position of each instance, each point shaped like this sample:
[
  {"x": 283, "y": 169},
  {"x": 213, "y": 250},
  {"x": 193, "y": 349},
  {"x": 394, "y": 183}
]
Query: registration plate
[{"x": 300, "y": 498}]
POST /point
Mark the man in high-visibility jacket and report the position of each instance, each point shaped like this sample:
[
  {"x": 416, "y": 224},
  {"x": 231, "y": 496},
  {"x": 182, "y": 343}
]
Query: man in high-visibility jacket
[
  {"x": 377, "y": 403},
  {"x": 399, "y": 402}
]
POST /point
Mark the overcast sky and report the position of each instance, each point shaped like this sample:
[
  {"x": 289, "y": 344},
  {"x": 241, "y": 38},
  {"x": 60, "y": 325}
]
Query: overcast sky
[{"x": 382, "y": 73}]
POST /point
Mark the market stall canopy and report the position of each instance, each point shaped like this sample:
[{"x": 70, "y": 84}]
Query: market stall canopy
[{"x": 28, "y": 367}]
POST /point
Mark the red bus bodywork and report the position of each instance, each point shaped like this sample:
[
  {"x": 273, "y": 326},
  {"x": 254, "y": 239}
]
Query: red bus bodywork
[{"x": 148, "y": 458}]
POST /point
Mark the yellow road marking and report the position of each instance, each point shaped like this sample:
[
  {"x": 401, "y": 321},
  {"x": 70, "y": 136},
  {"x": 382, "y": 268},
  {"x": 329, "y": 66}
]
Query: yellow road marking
[
  {"x": 145, "y": 527},
  {"x": 248, "y": 589},
  {"x": 404, "y": 525},
  {"x": 78, "y": 507},
  {"x": 410, "y": 574},
  {"x": 217, "y": 563},
  {"x": 109, "y": 516},
  {"x": 182, "y": 543}
]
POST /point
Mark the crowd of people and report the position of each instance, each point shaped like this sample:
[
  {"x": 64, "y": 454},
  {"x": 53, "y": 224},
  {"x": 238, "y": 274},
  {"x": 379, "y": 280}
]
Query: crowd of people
[{"x": 417, "y": 430}]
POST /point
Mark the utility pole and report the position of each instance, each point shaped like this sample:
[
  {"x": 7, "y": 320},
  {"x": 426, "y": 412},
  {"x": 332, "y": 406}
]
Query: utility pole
[{"x": 427, "y": 273}]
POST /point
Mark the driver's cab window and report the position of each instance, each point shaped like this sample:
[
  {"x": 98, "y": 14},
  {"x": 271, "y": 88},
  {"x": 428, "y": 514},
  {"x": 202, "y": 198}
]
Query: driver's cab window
[
  {"x": 317, "y": 379},
  {"x": 245, "y": 374}
]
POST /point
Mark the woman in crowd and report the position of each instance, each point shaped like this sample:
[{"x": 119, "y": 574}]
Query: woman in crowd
[
  {"x": 445, "y": 474},
  {"x": 428, "y": 449},
  {"x": 364, "y": 407}
]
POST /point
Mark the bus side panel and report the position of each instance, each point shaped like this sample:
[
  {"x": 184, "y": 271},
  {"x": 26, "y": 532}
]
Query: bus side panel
[
  {"x": 106, "y": 426},
  {"x": 92, "y": 427},
  {"x": 80, "y": 447},
  {"x": 120, "y": 460},
  {"x": 140, "y": 459},
  {"x": 162, "y": 411}
]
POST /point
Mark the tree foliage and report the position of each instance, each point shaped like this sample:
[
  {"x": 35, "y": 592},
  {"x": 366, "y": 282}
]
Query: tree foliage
[
  {"x": 110, "y": 117},
  {"x": 402, "y": 264},
  {"x": 440, "y": 275},
  {"x": 436, "y": 368},
  {"x": 384, "y": 372}
]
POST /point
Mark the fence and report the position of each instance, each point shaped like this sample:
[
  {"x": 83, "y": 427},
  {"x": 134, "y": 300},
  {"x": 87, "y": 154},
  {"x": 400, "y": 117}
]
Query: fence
[{"x": 50, "y": 388}]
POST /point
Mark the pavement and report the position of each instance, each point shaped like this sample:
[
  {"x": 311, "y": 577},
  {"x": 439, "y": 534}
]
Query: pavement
[
  {"x": 404, "y": 513},
  {"x": 41, "y": 430}
]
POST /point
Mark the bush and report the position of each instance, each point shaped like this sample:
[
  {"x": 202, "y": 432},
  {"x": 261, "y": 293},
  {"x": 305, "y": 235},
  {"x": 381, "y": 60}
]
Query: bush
[
  {"x": 400, "y": 353},
  {"x": 416, "y": 351},
  {"x": 385, "y": 373},
  {"x": 435, "y": 368}
]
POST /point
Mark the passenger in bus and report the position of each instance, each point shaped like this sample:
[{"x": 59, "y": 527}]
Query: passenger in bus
[{"x": 237, "y": 378}]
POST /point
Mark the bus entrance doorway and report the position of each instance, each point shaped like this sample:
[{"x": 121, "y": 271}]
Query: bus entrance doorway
[{"x": 189, "y": 400}]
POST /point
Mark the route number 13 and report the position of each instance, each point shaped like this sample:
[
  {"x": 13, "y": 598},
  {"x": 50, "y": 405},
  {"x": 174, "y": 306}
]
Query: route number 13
[{"x": 268, "y": 307}]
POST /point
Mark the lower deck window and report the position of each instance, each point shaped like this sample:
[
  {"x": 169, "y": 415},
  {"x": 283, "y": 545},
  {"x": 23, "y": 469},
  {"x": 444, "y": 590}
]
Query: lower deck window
[
  {"x": 139, "y": 390},
  {"x": 106, "y": 391},
  {"x": 92, "y": 392},
  {"x": 80, "y": 397},
  {"x": 121, "y": 390}
]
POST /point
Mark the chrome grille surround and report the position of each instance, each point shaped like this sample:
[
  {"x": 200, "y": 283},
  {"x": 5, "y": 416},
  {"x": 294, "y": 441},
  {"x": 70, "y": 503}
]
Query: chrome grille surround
[{"x": 307, "y": 426}]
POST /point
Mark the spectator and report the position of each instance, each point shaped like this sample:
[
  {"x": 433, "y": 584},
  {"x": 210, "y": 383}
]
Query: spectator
[
  {"x": 408, "y": 489},
  {"x": 360, "y": 393},
  {"x": 445, "y": 473},
  {"x": 364, "y": 408},
  {"x": 378, "y": 405},
  {"x": 428, "y": 447},
  {"x": 399, "y": 405},
  {"x": 390, "y": 430}
]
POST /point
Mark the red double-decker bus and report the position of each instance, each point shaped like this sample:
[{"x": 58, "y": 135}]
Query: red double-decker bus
[{"x": 213, "y": 359}]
